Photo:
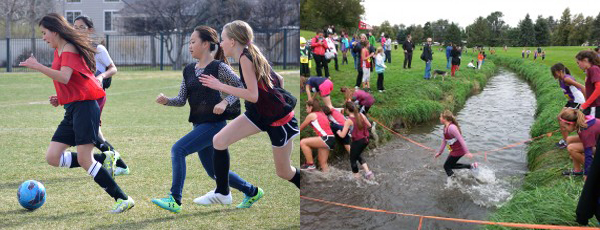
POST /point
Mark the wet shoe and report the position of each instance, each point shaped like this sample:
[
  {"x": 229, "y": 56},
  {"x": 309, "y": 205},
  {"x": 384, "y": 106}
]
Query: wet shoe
[
  {"x": 308, "y": 167},
  {"x": 561, "y": 144},
  {"x": 370, "y": 175},
  {"x": 572, "y": 172}
]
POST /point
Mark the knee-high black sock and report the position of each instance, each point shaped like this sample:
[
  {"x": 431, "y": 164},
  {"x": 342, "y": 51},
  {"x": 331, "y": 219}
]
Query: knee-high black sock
[
  {"x": 69, "y": 159},
  {"x": 296, "y": 178},
  {"x": 221, "y": 166},
  {"x": 102, "y": 145},
  {"x": 121, "y": 163},
  {"x": 103, "y": 178}
]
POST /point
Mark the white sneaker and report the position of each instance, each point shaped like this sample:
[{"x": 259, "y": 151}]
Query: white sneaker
[
  {"x": 213, "y": 198},
  {"x": 475, "y": 168}
]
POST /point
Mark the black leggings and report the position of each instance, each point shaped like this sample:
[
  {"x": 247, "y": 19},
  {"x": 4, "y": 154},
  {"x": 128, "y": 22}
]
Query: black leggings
[
  {"x": 359, "y": 76},
  {"x": 451, "y": 163},
  {"x": 356, "y": 148}
]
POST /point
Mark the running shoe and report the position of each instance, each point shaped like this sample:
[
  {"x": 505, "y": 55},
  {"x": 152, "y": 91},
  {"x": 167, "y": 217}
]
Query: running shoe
[
  {"x": 561, "y": 144},
  {"x": 308, "y": 167},
  {"x": 110, "y": 162},
  {"x": 213, "y": 198},
  {"x": 572, "y": 172},
  {"x": 248, "y": 201},
  {"x": 122, "y": 205},
  {"x": 370, "y": 175},
  {"x": 121, "y": 171},
  {"x": 168, "y": 203}
]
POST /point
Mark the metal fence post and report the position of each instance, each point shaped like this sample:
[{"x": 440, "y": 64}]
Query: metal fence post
[
  {"x": 8, "y": 62},
  {"x": 162, "y": 40},
  {"x": 285, "y": 38}
]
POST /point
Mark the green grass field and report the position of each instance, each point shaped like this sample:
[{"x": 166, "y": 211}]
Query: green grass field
[
  {"x": 143, "y": 132},
  {"x": 546, "y": 197}
]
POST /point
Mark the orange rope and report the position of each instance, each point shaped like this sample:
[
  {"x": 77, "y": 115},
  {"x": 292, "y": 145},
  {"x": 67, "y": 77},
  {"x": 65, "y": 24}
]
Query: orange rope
[
  {"x": 483, "y": 222},
  {"x": 484, "y": 153}
]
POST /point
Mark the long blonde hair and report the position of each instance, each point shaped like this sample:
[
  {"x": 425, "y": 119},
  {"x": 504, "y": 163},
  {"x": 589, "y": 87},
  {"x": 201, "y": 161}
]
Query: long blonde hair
[
  {"x": 242, "y": 33},
  {"x": 573, "y": 116},
  {"x": 448, "y": 116}
]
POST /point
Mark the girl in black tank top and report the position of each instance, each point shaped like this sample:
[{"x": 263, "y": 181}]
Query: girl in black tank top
[{"x": 268, "y": 106}]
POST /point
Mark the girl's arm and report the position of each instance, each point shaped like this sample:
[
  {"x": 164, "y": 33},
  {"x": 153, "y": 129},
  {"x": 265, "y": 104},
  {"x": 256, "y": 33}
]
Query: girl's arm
[
  {"x": 63, "y": 75},
  {"x": 249, "y": 94},
  {"x": 439, "y": 152},
  {"x": 342, "y": 133},
  {"x": 592, "y": 97},
  {"x": 572, "y": 82},
  {"x": 365, "y": 120},
  {"x": 111, "y": 70},
  {"x": 310, "y": 117},
  {"x": 308, "y": 93}
]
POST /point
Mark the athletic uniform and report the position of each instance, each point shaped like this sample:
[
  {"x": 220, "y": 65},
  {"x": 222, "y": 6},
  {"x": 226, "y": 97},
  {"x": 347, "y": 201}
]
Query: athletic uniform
[
  {"x": 103, "y": 60},
  {"x": 573, "y": 94},
  {"x": 592, "y": 77},
  {"x": 320, "y": 84},
  {"x": 457, "y": 146},
  {"x": 337, "y": 121},
  {"x": 588, "y": 137},
  {"x": 273, "y": 112},
  {"x": 82, "y": 119},
  {"x": 360, "y": 140},
  {"x": 322, "y": 128},
  {"x": 364, "y": 99}
]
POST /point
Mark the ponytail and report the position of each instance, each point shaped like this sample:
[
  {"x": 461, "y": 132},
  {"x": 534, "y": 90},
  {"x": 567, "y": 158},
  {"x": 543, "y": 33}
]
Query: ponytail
[
  {"x": 351, "y": 108},
  {"x": 242, "y": 33},
  {"x": 448, "y": 116},
  {"x": 208, "y": 34},
  {"x": 573, "y": 116}
]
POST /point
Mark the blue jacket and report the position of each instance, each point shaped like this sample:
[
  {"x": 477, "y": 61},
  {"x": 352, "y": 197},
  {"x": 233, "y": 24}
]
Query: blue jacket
[{"x": 448, "y": 50}]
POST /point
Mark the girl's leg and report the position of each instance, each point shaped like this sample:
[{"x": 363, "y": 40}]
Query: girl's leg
[
  {"x": 449, "y": 164},
  {"x": 355, "y": 150},
  {"x": 347, "y": 147},
  {"x": 576, "y": 152},
  {"x": 237, "y": 129},
  {"x": 101, "y": 175},
  {"x": 307, "y": 144},
  {"x": 281, "y": 158},
  {"x": 54, "y": 155},
  {"x": 323, "y": 155},
  {"x": 206, "y": 156}
]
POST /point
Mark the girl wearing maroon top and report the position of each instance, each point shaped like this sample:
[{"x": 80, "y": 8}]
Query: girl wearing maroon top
[
  {"x": 324, "y": 141},
  {"x": 456, "y": 144},
  {"x": 589, "y": 62},
  {"x": 360, "y": 139},
  {"x": 269, "y": 107},
  {"x": 365, "y": 100},
  {"x": 580, "y": 147},
  {"x": 76, "y": 89}
]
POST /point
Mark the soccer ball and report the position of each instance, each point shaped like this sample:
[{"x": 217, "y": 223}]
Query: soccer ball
[{"x": 31, "y": 194}]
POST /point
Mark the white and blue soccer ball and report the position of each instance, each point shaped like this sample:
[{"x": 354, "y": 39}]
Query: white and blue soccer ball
[{"x": 31, "y": 194}]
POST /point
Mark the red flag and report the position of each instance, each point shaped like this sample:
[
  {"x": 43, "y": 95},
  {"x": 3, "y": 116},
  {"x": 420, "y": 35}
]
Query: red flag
[{"x": 362, "y": 25}]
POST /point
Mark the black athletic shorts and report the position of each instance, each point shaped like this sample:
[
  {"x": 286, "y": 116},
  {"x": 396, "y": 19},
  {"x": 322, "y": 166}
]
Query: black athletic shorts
[
  {"x": 281, "y": 135},
  {"x": 335, "y": 127},
  {"x": 329, "y": 141},
  {"x": 572, "y": 104},
  {"x": 592, "y": 111},
  {"x": 80, "y": 124}
]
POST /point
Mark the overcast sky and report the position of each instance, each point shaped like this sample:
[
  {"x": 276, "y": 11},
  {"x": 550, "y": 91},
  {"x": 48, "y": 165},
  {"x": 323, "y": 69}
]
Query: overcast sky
[{"x": 464, "y": 12}]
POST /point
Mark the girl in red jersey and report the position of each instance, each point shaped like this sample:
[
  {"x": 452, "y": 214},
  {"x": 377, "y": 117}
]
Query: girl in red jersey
[
  {"x": 76, "y": 89},
  {"x": 325, "y": 140}
]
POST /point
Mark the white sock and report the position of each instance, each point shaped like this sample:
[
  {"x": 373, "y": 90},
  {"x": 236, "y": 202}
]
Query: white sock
[
  {"x": 94, "y": 168},
  {"x": 65, "y": 160}
]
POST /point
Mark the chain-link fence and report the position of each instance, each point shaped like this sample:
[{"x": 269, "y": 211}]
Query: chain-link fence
[{"x": 153, "y": 51}]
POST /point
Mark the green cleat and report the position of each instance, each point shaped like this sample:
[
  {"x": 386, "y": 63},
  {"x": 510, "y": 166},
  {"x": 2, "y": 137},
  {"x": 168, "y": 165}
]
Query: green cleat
[
  {"x": 110, "y": 163},
  {"x": 168, "y": 204},
  {"x": 121, "y": 171},
  {"x": 123, "y": 205},
  {"x": 248, "y": 201}
]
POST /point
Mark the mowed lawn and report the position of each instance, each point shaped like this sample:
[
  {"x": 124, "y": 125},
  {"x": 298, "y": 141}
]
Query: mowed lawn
[
  {"x": 143, "y": 132},
  {"x": 554, "y": 54}
]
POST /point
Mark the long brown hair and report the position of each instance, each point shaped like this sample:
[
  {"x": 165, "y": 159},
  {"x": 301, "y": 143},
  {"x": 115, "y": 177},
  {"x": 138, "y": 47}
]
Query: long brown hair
[
  {"x": 351, "y": 108},
  {"x": 315, "y": 104},
  {"x": 242, "y": 33},
  {"x": 448, "y": 116},
  {"x": 575, "y": 116},
  {"x": 590, "y": 55},
  {"x": 58, "y": 24},
  {"x": 210, "y": 35},
  {"x": 348, "y": 93}
]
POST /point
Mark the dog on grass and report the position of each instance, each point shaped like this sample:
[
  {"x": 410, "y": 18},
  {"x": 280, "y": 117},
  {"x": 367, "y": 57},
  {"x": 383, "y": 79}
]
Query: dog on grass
[{"x": 439, "y": 72}]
